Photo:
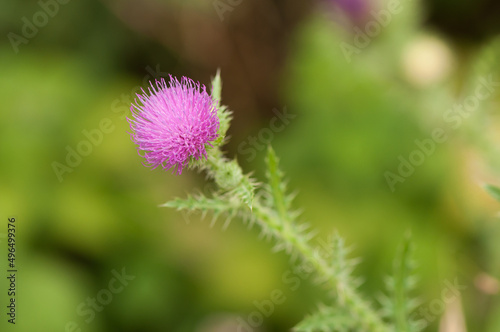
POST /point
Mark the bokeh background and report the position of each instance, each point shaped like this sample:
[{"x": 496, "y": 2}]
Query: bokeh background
[{"x": 352, "y": 118}]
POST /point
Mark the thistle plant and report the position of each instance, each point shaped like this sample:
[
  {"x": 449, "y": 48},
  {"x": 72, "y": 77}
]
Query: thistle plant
[{"x": 179, "y": 125}]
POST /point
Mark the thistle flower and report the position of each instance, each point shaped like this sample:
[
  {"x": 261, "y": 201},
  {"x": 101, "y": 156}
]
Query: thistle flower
[{"x": 174, "y": 123}]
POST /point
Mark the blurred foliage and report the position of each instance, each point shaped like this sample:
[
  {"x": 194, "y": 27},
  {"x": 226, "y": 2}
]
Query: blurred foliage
[{"x": 353, "y": 120}]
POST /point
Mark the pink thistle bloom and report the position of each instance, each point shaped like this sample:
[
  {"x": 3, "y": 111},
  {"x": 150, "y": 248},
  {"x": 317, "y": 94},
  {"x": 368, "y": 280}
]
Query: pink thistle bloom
[{"x": 174, "y": 123}]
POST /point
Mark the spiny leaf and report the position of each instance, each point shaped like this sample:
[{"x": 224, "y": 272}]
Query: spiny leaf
[
  {"x": 398, "y": 304},
  {"x": 327, "y": 319},
  {"x": 341, "y": 266},
  {"x": 217, "y": 86},
  {"x": 277, "y": 197},
  {"x": 246, "y": 190},
  {"x": 223, "y": 113},
  {"x": 219, "y": 205},
  {"x": 200, "y": 203},
  {"x": 230, "y": 179},
  {"x": 276, "y": 184},
  {"x": 289, "y": 239}
]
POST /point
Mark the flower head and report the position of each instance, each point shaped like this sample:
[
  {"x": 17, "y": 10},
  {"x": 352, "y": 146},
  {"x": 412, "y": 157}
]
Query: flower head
[{"x": 174, "y": 123}]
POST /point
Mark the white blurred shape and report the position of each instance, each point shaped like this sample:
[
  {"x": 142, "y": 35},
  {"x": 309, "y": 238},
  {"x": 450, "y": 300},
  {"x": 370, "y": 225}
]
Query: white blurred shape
[{"x": 427, "y": 60}]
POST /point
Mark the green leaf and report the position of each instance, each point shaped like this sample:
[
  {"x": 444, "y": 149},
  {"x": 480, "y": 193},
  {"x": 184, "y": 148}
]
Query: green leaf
[
  {"x": 398, "y": 304},
  {"x": 230, "y": 178},
  {"x": 276, "y": 190},
  {"x": 342, "y": 267},
  {"x": 327, "y": 319},
  {"x": 217, "y": 86},
  {"x": 276, "y": 184},
  {"x": 218, "y": 205},
  {"x": 246, "y": 190},
  {"x": 223, "y": 113}
]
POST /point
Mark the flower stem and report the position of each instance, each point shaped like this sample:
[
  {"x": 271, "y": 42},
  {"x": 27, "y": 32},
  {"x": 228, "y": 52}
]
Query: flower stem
[
  {"x": 350, "y": 298},
  {"x": 293, "y": 240}
]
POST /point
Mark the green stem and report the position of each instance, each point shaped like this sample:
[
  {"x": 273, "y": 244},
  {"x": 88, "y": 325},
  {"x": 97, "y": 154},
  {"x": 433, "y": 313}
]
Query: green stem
[
  {"x": 274, "y": 222},
  {"x": 351, "y": 299}
]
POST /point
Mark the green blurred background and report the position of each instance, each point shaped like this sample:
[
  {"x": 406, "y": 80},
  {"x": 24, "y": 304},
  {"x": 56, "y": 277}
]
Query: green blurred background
[{"x": 353, "y": 117}]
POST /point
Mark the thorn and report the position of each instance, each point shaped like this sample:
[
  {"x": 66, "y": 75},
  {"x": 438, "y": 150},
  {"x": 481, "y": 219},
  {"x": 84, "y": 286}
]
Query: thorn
[
  {"x": 226, "y": 223},
  {"x": 311, "y": 235},
  {"x": 214, "y": 220}
]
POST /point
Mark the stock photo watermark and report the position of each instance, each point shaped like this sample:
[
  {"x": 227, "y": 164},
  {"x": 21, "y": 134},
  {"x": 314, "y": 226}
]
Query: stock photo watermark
[
  {"x": 428, "y": 313},
  {"x": 363, "y": 37},
  {"x": 454, "y": 116},
  {"x": 11, "y": 271},
  {"x": 89, "y": 308},
  {"x": 31, "y": 26},
  {"x": 95, "y": 136},
  {"x": 291, "y": 279},
  {"x": 84, "y": 148},
  {"x": 223, "y": 6},
  {"x": 277, "y": 124}
]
